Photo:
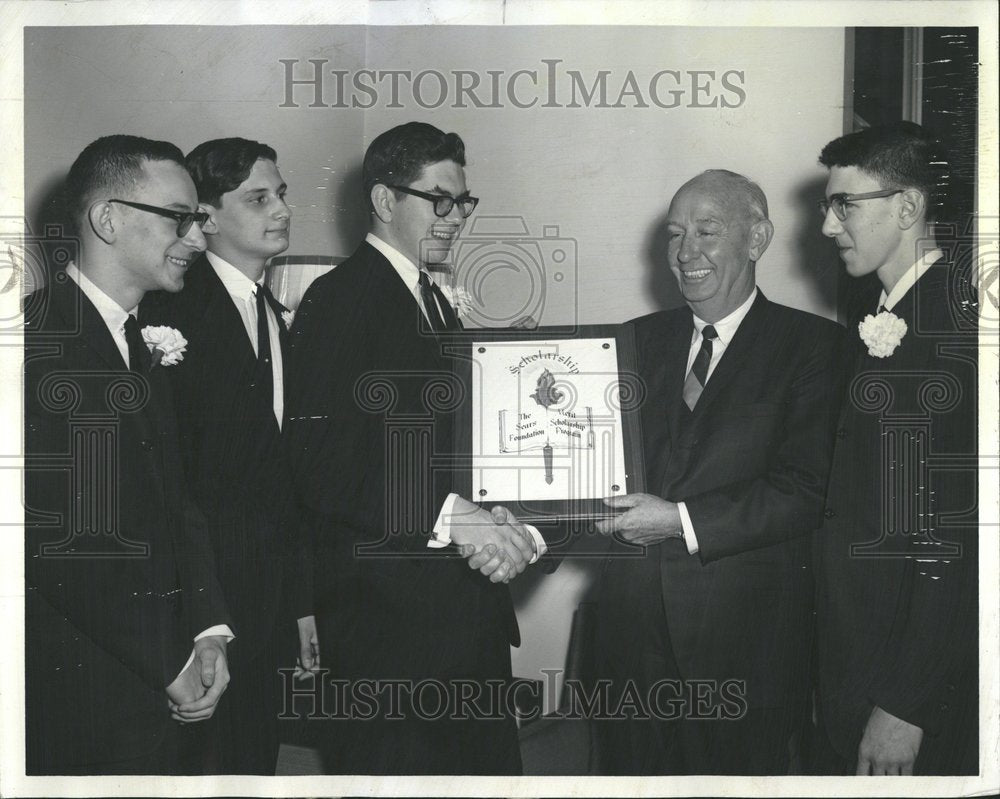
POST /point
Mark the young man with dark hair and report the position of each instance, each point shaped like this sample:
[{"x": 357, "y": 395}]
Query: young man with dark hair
[
  {"x": 897, "y": 553},
  {"x": 230, "y": 397},
  {"x": 125, "y": 624},
  {"x": 393, "y": 611}
]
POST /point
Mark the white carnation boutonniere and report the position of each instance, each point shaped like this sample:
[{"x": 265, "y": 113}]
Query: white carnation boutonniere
[
  {"x": 459, "y": 299},
  {"x": 166, "y": 344},
  {"x": 882, "y": 333},
  {"x": 288, "y": 317}
]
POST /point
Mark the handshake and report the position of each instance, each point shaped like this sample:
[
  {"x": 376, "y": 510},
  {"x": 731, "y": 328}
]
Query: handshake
[{"x": 494, "y": 542}]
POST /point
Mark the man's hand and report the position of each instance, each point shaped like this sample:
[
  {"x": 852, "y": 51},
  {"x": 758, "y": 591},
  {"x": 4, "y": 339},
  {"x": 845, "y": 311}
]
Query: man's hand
[
  {"x": 646, "y": 520},
  {"x": 196, "y": 691},
  {"x": 889, "y": 746},
  {"x": 473, "y": 529},
  {"x": 489, "y": 560},
  {"x": 308, "y": 660}
]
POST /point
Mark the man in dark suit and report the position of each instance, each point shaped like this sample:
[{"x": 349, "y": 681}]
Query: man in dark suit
[
  {"x": 125, "y": 627},
  {"x": 369, "y": 405},
  {"x": 229, "y": 392},
  {"x": 709, "y": 625},
  {"x": 897, "y": 554}
]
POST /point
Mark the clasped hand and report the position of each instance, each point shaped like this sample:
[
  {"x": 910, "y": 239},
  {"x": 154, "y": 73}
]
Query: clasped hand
[
  {"x": 646, "y": 520},
  {"x": 195, "y": 693},
  {"x": 495, "y": 543}
]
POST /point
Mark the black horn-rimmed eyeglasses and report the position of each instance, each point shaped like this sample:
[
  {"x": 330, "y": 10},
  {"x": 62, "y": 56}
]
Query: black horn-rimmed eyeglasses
[
  {"x": 184, "y": 219},
  {"x": 442, "y": 202}
]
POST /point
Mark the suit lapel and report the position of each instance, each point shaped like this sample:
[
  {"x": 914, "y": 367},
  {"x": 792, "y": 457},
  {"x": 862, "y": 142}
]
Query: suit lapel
[
  {"x": 665, "y": 355},
  {"x": 80, "y": 314},
  {"x": 736, "y": 354},
  {"x": 220, "y": 319}
]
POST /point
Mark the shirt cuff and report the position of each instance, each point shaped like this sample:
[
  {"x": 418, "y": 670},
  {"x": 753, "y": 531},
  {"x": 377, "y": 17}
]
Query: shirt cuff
[
  {"x": 540, "y": 546},
  {"x": 218, "y": 629},
  {"x": 441, "y": 534},
  {"x": 690, "y": 539}
]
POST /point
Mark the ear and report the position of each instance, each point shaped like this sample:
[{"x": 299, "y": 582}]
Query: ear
[
  {"x": 101, "y": 218},
  {"x": 211, "y": 226},
  {"x": 383, "y": 201},
  {"x": 760, "y": 237},
  {"x": 912, "y": 208}
]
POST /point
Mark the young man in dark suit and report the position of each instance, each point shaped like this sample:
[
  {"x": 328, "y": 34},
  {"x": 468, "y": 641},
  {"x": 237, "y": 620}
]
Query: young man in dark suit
[
  {"x": 229, "y": 392},
  {"x": 897, "y": 554},
  {"x": 125, "y": 626},
  {"x": 710, "y": 624},
  {"x": 370, "y": 399}
]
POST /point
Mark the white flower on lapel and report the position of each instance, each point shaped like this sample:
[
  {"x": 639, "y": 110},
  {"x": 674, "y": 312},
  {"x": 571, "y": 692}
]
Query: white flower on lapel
[
  {"x": 459, "y": 299},
  {"x": 165, "y": 343},
  {"x": 288, "y": 317},
  {"x": 882, "y": 333}
]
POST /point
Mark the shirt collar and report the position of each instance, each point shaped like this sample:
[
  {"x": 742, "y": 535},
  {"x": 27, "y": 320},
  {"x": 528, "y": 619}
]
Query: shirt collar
[
  {"x": 238, "y": 285},
  {"x": 727, "y": 326},
  {"x": 111, "y": 312},
  {"x": 404, "y": 267},
  {"x": 908, "y": 279}
]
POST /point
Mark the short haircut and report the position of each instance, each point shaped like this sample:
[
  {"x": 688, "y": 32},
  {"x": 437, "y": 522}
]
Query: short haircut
[
  {"x": 109, "y": 168},
  {"x": 221, "y": 165},
  {"x": 398, "y": 156},
  {"x": 756, "y": 200},
  {"x": 899, "y": 155}
]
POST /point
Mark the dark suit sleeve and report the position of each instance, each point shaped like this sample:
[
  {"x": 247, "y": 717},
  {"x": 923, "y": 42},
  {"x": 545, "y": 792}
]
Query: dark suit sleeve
[
  {"x": 787, "y": 500},
  {"x": 341, "y": 389},
  {"x": 88, "y": 592},
  {"x": 929, "y": 657}
]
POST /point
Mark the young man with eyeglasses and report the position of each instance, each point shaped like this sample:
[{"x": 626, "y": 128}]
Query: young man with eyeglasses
[
  {"x": 125, "y": 625},
  {"x": 230, "y": 400},
  {"x": 393, "y": 606},
  {"x": 897, "y": 554}
]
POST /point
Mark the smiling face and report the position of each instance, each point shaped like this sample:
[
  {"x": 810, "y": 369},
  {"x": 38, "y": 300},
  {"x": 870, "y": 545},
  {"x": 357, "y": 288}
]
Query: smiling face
[
  {"x": 413, "y": 228},
  {"x": 713, "y": 242},
  {"x": 251, "y": 222},
  {"x": 870, "y": 239},
  {"x": 150, "y": 252}
]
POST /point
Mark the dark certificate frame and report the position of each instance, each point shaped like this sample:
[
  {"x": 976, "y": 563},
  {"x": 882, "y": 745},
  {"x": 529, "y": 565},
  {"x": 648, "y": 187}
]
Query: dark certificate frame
[{"x": 630, "y": 393}]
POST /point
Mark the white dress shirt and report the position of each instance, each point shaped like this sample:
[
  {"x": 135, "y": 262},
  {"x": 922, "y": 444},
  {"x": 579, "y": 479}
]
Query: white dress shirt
[
  {"x": 410, "y": 276},
  {"x": 908, "y": 280},
  {"x": 243, "y": 292},
  {"x": 114, "y": 317},
  {"x": 725, "y": 328}
]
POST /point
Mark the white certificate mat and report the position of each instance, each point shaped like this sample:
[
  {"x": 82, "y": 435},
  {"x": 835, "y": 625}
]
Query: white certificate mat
[{"x": 546, "y": 420}]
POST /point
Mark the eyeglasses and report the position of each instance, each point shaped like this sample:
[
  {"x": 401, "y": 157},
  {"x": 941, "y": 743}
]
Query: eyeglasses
[
  {"x": 442, "y": 202},
  {"x": 838, "y": 202},
  {"x": 184, "y": 219}
]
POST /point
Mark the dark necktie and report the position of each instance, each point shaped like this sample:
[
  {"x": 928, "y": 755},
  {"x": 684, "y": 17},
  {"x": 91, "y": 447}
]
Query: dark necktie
[
  {"x": 264, "y": 379},
  {"x": 695, "y": 382},
  {"x": 429, "y": 293},
  {"x": 139, "y": 358},
  {"x": 881, "y": 309}
]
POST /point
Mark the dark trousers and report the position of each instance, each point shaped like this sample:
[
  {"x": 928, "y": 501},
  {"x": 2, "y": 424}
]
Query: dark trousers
[
  {"x": 430, "y": 730},
  {"x": 673, "y": 739}
]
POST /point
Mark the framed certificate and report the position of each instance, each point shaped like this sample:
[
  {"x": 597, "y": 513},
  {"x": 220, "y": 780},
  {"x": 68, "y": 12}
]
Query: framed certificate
[{"x": 550, "y": 420}]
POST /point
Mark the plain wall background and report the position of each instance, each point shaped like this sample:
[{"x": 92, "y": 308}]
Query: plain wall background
[{"x": 596, "y": 180}]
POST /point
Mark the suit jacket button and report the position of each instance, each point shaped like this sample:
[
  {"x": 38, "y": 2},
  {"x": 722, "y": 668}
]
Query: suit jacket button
[
  {"x": 147, "y": 445},
  {"x": 828, "y": 513},
  {"x": 842, "y": 432}
]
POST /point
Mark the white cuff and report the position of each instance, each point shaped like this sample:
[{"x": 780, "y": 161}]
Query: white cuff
[
  {"x": 218, "y": 629},
  {"x": 690, "y": 539},
  {"x": 442, "y": 527},
  {"x": 540, "y": 546}
]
